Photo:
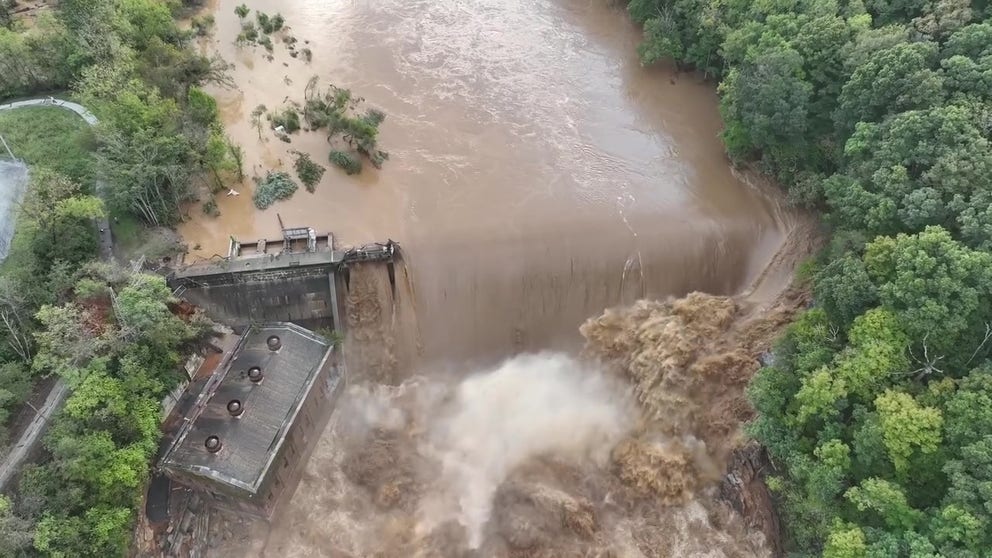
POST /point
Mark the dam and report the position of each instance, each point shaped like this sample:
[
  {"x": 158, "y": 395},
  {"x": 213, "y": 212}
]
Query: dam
[
  {"x": 235, "y": 440},
  {"x": 299, "y": 278}
]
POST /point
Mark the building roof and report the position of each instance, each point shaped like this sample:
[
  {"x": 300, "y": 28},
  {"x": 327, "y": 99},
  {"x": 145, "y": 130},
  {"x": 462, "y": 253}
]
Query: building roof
[{"x": 249, "y": 442}]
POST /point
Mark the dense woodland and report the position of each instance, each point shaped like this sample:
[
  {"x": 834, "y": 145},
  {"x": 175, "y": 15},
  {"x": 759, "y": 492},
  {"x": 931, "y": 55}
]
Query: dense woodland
[
  {"x": 878, "y": 408},
  {"x": 107, "y": 332}
]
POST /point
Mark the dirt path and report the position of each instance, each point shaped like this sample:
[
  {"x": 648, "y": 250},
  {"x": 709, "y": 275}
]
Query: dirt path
[{"x": 19, "y": 451}]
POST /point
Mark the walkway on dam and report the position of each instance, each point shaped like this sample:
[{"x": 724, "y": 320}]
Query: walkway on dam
[{"x": 20, "y": 450}]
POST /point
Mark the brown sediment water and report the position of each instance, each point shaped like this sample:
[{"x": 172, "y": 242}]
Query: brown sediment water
[
  {"x": 537, "y": 175},
  {"x": 537, "y": 172}
]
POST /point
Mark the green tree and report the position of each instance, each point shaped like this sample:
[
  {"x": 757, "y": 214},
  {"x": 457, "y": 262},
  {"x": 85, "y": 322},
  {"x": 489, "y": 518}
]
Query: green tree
[
  {"x": 256, "y": 119},
  {"x": 942, "y": 17},
  {"x": 16, "y": 533},
  {"x": 844, "y": 289},
  {"x": 915, "y": 169},
  {"x": 907, "y": 428},
  {"x": 953, "y": 527},
  {"x": 99, "y": 533},
  {"x": 970, "y": 476},
  {"x": 71, "y": 237},
  {"x": 935, "y": 286},
  {"x": 845, "y": 541},
  {"x": 893, "y": 80},
  {"x": 765, "y": 103},
  {"x": 66, "y": 341},
  {"x": 967, "y": 78},
  {"x": 973, "y": 41},
  {"x": 661, "y": 39},
  {"x": 148, "y": 173},
  {"x": 139, "y": 21},
  {"x": 47, "y": 189},
  {"x": 887, "y": 500},
  {"x": 876, "y": 352},
  {"x": 143, "y": 314},
  {"x": 968, "y": 411}
]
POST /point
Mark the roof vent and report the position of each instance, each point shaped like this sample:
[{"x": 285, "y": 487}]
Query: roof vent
[
  {"x": 255, "y": 374},
  {"x": 212, "y": 443},
  {"x": 274, "y": 342},
  {"x": 235, "y": 408}
]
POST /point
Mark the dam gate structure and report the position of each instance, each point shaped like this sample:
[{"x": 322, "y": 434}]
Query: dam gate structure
[{"x": 300, "y": 278}]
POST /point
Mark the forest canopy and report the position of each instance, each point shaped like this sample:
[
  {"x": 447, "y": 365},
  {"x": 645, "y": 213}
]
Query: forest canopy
[
  {"x": 107, "y": 332},
  {"x": 877, "y": 113}
]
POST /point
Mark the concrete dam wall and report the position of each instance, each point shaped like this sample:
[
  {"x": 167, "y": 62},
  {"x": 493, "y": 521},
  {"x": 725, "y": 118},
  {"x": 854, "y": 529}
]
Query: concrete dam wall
[{"x": 300, "y": 288}]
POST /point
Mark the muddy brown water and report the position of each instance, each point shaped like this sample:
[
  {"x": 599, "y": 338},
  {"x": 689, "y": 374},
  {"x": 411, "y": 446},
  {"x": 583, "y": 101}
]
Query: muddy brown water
[{"x": 537, "y": 174}]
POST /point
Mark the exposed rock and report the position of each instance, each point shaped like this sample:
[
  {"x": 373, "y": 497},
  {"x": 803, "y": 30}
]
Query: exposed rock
[{"x": 744, "y": 489}]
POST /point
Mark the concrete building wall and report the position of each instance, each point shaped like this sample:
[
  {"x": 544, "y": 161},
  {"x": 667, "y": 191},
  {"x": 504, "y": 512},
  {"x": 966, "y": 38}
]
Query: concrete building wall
[
  {"x": 303, "y": 296},
  {"x": 302, "y": 438}
]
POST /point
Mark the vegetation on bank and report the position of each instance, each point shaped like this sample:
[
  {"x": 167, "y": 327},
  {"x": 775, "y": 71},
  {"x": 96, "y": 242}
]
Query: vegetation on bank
[
  {"x": 116, "y": 344},
  {"x": 878, "y": 407},
  {"x": 108, "y": 332}
]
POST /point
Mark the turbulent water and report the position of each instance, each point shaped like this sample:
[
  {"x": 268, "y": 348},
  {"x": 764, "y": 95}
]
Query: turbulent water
[
  {"x": 537, "y": 176},
  {"x": 614, "y": 453},
  {"x": 13, "y": 181}
]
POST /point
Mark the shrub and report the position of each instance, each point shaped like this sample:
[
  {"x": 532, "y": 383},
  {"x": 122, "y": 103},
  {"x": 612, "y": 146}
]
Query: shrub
[
  {"x": 274, "y": 187},
  {"x": 289, "y": 119},
  {"x": 202, "y": 25},
  {"x": 378, "y": 157},
  {"x": 346, "y": 161},
  {"x": 87, "y": 288},
  {"x": 249, "y": 33},
  {"x": 269, "y": 24},
  {"x": 309, "y": 172},
  {"x": 210, "y": 208},
  {"x": 335, "y": 109}
]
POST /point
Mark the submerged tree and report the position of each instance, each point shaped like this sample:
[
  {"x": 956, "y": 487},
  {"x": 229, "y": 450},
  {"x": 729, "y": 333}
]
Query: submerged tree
[
  {"x": 274, "y": 187},
  {"x": 256, "y": 119},
  {"x": 336, "y": 110},
  {"x": 309, "y": 172}
]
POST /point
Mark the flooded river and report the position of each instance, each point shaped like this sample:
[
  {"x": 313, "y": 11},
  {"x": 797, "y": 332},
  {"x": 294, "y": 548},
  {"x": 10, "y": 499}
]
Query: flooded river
[
  {"x": 537, "y": 173},
  {"x": 537, "y": 176}
]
